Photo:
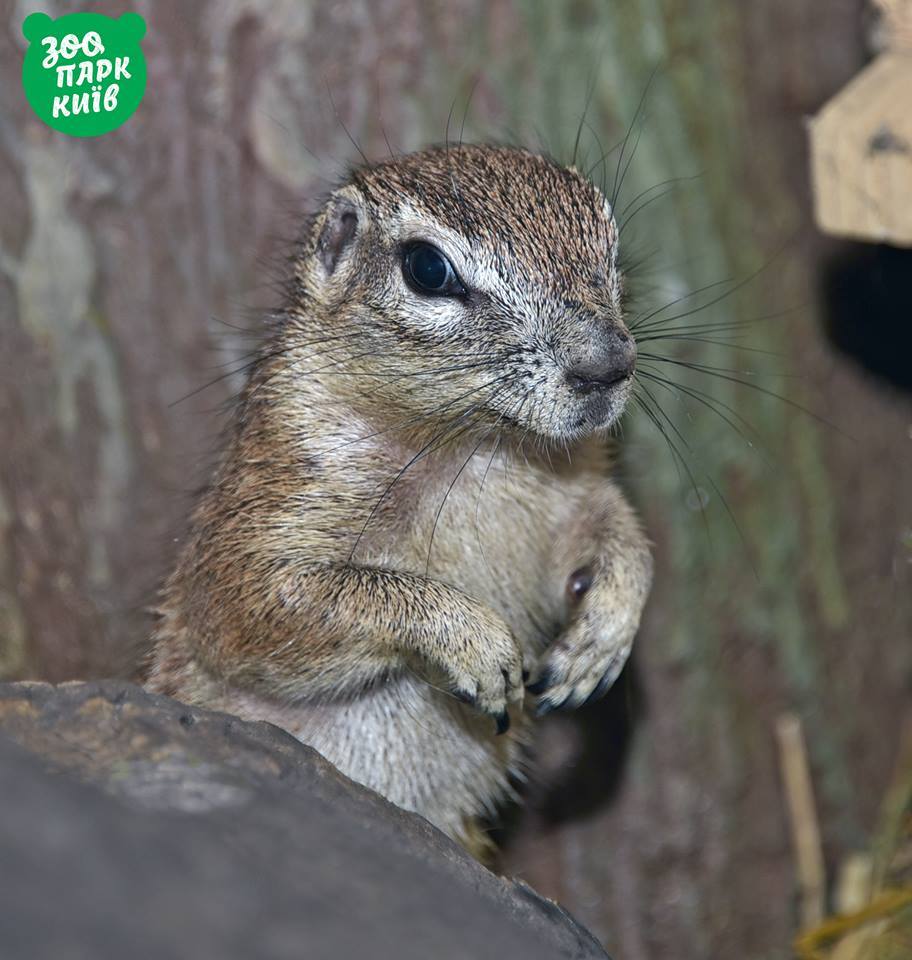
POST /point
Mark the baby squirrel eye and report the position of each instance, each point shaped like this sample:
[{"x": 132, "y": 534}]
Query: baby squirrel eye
[{"x": 427, "y": 270}]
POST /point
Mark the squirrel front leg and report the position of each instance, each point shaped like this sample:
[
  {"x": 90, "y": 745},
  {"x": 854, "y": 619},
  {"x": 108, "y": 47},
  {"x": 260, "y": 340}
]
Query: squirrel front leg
[
  {"x": 606, "y": 568},
  {"x": 322, "y": 631}
]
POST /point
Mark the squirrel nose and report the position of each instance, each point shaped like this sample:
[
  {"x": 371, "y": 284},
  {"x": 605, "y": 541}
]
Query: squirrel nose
[{"x": 612, "y": 362}]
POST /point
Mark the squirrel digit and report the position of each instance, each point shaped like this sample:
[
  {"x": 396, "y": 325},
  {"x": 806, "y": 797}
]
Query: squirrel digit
[{"x": 414, "y": 515}]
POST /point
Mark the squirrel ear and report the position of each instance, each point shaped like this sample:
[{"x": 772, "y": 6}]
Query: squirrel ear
[
  {"x": 35, "y": 26},
  {"x": 133, "y": 25},
  {"x": 337, "y": 233}
]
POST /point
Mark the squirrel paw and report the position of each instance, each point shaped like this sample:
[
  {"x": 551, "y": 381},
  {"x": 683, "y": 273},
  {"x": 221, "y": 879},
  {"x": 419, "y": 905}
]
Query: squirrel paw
[
  {"x": 484, "y": 670},
  {"x": 584, "y": 661}
]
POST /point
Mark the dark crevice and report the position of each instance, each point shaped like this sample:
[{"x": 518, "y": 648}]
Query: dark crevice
[{"x": 866, "y": 296}]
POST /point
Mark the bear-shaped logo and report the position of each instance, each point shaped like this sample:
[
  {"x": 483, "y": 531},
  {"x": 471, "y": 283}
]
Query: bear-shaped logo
[{"x": 84, "y": 74}]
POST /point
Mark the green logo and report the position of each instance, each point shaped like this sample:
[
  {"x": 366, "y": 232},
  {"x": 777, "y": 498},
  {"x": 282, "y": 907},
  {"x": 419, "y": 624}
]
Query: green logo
[{"x": 84, "y": 74}]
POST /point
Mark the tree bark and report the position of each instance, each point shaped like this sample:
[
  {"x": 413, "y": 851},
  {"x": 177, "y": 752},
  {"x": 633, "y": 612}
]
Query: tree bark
[{"x": 656, "y": 817}]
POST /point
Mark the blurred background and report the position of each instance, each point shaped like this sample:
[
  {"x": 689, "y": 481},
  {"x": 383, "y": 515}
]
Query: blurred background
[{"x": 782, "y": 607}]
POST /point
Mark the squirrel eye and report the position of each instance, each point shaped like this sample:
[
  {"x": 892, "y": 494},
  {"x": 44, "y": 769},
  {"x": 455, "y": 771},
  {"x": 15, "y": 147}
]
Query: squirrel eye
[{"x": 427, "y": 271}]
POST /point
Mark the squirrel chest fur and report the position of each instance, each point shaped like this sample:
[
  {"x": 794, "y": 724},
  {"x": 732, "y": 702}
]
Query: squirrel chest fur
[{"x": 412, "y": 544}]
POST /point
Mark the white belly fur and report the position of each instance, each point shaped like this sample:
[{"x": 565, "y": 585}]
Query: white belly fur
[{"x": 454, "y": 762}]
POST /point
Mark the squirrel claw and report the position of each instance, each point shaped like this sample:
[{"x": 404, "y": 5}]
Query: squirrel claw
[
  {"x": 503, "y": 723},
  {"x": 603, "y": 686},
  {"x": 546, "y": 705},
  {"x": 542, "y": 683}
]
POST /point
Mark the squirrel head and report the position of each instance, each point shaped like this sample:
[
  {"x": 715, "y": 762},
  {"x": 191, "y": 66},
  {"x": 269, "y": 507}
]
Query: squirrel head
[{"x": 472, "y": 285}]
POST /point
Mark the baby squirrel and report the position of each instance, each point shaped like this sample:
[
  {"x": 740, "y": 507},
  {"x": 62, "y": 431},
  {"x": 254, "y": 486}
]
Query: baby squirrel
[{"x": 414, "y": 515}]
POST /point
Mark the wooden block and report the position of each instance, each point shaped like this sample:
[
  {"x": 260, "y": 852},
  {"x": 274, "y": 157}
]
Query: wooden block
[
  {"x": 896, "y": 16},
  {"x": 861, "y": 155}
]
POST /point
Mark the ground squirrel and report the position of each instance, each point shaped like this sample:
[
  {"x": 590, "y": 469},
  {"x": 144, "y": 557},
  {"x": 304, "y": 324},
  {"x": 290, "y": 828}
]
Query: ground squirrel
[{"x": 414, "y": 515}]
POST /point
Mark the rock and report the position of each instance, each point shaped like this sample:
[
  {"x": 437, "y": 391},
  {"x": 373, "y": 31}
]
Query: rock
[{"x": 136, "y": 826}]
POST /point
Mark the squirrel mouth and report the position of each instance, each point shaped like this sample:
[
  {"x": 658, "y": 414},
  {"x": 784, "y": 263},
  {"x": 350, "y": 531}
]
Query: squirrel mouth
[{"x": 600, "y": 408}]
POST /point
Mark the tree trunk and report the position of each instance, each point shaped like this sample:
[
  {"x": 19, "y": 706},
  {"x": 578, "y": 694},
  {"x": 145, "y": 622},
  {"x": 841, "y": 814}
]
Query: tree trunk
[{"x": 783, "y": 579}]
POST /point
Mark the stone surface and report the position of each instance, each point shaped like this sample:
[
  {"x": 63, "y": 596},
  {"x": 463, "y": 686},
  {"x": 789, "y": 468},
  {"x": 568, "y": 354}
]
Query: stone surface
[{"x": 136, "y": 826}]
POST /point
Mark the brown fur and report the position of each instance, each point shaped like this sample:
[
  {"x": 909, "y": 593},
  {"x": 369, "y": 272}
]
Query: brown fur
[{"x": 411, "y": 483}]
